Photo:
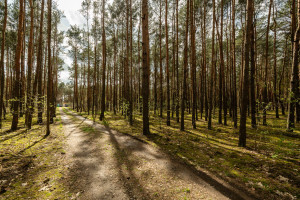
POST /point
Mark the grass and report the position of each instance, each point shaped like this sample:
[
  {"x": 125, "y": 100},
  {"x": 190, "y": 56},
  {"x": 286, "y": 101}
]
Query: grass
[
  {"x": 87, "y": 129},
  {"x": 32, "y": 166},
  {"x": 268, "y": 167}
]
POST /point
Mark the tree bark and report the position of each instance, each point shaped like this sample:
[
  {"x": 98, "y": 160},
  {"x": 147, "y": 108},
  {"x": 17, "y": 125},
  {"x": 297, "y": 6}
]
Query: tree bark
[
  {"x": 167, "y": 65},
  {"x": 146, "y": 67},
  {"x": 193, "y": 65},
  {"x": 252, "y": 78},
  {"x": 29, "y": 69},
  {"x": 177, "y": 64},
  {"x": 222, "y": 65},
  {"x": 160, "y": 63},
  {"x": 185, "y": 65},
  {"x": 103, "y": 62},
  {"x": 212, "y": 72},
  {"x": 2, "y": 77},
  {"x": 265, "y": 90},
  {"x": 294, "y": 84},
  {"x": 275, "y": 64},
  {"x": 155, "y": 78},
  {"x": 16, "y": 93},
  {"x": 234, "y": 89},
  {"x": 49, "y": 86},
  {"x": 245, "y": 94},
  {"x": 39, "y": 68}
]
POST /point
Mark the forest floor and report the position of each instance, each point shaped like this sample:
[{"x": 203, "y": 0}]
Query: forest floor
[
  {"x": 106, "y": 164},
  {"x": 32, "y": 165},
  {"x": 269, "y": 168},
  {"x": 82, "y": 159}
]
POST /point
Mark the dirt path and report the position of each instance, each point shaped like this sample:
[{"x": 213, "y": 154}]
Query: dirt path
[{"x": 105, "y": 164}]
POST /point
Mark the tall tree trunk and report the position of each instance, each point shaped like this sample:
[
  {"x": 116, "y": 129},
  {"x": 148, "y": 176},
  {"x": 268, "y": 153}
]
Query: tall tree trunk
[
  {"x": 282, "y": 104},
  {"x": 94, "y": 111},
  {"x": 222, "y": 65},
  {"x": 23, "y": 52},
  {"x": 265, "y": 91},
  {"x": 146, "y": 67},
  {"x": 76, "y": 81},
  {"x": 39, "y": 70},
  {"x": 173, "y": 91},
  {"x": 29, "y": 69},
  {"x": 212, "y": 72},
  {"x": 167, "y": 65},
  {"x": 89, "y": 62},
  {"x": 155, "y": 78},
  {"x": 49, "y": 86},
  {"x": 160, "y": 62},
  {"x": 185, "y": 65},
  {"x": 275, "y": 63},
  {"x": 193, "y": 65},
  {"x": 16, "y": 93},
  {"x": 234, "y": 89},
  {"x": 2, "y": 77},
  {"x": 103, "y": 62},
  {"x": 252, "y": 78},
  {"x": 245, "y": 93},
  {"x": 140, "y": 104},
  {"x": 294, "y": 84},
  {"x": 204, "y": 62},
  {"x": 177, "y": 64},
  {"x": 115, "y": 71},
  {"x": 131, "y": 77}
]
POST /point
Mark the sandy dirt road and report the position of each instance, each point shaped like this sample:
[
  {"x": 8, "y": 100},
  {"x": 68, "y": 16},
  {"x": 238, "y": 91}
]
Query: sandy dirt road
[{"x": 105, "y": 164}]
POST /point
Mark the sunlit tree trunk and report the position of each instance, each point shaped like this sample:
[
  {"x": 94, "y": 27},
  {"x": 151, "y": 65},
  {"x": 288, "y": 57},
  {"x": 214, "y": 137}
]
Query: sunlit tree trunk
[
  {"x": 16, "y": 93},
  {"x": 49, "y": 85},
  {"x": 29, "y": 69},
  {"x": 2, "y": 77},
  {"x": 22, "y": 80},
  {"x": 39, "y": 70}
]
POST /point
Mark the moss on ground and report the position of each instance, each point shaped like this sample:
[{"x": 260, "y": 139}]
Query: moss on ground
[
  {"x": 268, "y": 167},
  {"x": 32, "y": 165}
]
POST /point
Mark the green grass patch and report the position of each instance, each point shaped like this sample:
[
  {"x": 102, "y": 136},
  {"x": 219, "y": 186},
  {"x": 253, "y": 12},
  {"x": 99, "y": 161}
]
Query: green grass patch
[
  {"x": 32, "y": 165},
  {"x": 87, "y": 129}
]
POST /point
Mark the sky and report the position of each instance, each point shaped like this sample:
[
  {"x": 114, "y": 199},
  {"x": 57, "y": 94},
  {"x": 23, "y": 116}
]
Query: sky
[{"x": 72, "y": 17}]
